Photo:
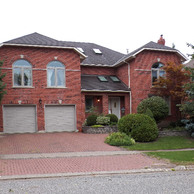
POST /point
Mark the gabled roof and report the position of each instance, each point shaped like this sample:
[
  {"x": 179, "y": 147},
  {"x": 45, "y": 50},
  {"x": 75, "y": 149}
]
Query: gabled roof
[
  {"x": 105, "y": 58},
  {"x": 149, "y": 46},
  {"x": 39, "y": 40},
  {"x": 91, "y": 83}
]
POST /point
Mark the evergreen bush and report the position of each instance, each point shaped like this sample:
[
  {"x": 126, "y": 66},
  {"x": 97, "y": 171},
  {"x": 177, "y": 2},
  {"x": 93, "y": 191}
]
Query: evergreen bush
[{"x": 157, "y": 105}]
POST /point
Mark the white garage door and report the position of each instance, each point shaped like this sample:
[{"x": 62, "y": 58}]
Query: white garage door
[
  {"x": 60, "y": 118},
  {"x": 19, "y": 119}
]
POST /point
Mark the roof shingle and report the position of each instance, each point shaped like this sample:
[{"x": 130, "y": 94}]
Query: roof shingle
[{"x": 92, "y": 83}]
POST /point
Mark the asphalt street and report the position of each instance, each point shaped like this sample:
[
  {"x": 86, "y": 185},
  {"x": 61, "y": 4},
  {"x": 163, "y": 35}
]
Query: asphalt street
[{"x": 143, "y": 183}]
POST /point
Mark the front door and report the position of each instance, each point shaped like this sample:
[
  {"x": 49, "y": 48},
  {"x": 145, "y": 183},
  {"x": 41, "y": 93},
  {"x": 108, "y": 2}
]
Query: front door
[{"x": 114, "y": 106}]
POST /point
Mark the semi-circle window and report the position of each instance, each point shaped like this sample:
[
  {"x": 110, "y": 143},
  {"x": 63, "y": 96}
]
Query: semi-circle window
[
  {"x": 22, "y": 73},
  {"x": 157, "y": 71},
  {"x": 55, "y": 74}
]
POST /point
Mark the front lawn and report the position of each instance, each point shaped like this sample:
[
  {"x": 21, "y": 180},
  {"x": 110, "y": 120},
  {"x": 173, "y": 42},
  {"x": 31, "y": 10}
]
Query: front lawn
[
  {"x": 164, "y": 143},
  {"x": 177, "y": 157}
]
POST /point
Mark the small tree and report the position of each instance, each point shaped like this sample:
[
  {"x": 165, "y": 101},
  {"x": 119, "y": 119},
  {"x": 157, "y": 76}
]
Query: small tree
[
  {"x": 172, "y": 83},
  {"x": 2, "y": 84}
]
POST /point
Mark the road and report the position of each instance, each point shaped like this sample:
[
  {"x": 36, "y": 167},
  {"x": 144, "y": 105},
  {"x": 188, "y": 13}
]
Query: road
[{"x": 143, "y": 183}]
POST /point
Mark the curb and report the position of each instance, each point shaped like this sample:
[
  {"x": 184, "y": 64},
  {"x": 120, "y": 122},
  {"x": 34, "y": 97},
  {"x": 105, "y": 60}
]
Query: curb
[{"x": 97, "y": 173}]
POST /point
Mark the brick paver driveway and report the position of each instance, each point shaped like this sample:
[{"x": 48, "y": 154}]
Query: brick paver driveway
[{"x": 53, "y": 143}]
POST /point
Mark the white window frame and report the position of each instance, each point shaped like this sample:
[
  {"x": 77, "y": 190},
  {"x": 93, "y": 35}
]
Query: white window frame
[
  {"x": 55, "y": 71},
  {"x": 22, "y": 74}
]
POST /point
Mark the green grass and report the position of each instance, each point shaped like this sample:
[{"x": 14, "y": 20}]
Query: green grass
[
  {"x": 164, "y": 143},
  {"x": 177, "y": 157}
]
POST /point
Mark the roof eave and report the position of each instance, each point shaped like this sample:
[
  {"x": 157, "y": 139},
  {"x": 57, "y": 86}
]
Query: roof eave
[
  {"x": 45, "y": 46},
  {"x": 163, "y": 50},
  {"x": 96, "y": 90},
  {"x": 96, "y": 65}
]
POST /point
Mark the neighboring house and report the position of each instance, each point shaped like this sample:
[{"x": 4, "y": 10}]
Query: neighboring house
[
  {"x": 190, "y": 63},
  {"x": 51, "y": 85}
]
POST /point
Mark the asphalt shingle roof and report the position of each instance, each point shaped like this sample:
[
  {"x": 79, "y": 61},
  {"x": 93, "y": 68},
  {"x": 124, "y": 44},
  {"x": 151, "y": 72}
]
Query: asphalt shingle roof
[
  {"x": 35, "y": 39},
  {"x": 108, "y": 57},
  {"x": 150, "y": 46},
  {"x": 92, "y": 83}
]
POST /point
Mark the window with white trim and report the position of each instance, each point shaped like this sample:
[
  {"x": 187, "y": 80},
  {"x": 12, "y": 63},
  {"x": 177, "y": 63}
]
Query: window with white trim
[
  {"x": 157, "y": 71},
  {"x": 22, "y": 73},
  {"x": 55, "y": 74}
]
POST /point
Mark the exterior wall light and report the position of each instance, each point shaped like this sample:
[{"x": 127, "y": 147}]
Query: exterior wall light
[{"x": 123, "y": 110}]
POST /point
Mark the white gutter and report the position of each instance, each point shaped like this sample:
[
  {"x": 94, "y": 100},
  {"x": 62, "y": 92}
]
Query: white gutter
[{"x": 45, "y": 46}]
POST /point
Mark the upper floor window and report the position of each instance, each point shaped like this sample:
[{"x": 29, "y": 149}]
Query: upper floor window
[
  {"x": 157, "y": 71},
  {"x": 22, "y": 73},
  {"x": 55, "y": 74}
]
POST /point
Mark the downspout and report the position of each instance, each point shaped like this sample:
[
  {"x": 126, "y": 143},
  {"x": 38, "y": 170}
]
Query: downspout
[{"x": 129, "y": 83}]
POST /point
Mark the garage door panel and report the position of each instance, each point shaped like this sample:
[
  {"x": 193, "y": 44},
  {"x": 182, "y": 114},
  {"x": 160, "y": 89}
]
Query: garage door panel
[
  {"x": 60, "y": 118},
  {"x": 19, "y": 119}
]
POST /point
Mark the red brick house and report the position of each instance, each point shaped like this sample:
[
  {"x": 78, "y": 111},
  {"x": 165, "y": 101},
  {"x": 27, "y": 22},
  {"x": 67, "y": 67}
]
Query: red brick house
[{"x": 52, "y": 84}]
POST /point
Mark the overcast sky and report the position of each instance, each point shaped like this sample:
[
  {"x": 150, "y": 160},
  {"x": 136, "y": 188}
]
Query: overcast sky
[{"x": 116, "y": 24}]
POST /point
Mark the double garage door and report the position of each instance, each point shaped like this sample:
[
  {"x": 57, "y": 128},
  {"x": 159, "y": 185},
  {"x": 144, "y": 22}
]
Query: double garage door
[{"x": 22, "y": 119}]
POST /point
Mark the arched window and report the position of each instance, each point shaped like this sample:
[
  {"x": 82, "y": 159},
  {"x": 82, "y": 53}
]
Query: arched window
[
  {"x": 55, "y": 74},
  {"x": 157, "y": 71},
  {"x": 22, "y": 73}
]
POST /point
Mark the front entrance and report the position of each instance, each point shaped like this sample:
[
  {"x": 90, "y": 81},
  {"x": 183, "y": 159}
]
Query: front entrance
[{"x": 114, "y": 106}]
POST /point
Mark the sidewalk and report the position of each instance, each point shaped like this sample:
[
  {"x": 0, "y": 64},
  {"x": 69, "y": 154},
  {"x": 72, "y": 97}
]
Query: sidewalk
[{"x": 75, "y": 154}]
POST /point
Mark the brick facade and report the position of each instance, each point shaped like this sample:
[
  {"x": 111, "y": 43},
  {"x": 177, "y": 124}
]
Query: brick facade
[
  {"x": 135, "y": 73},
  {"x": 141, "y": 75},
  {"x": 39, "y": 58}
]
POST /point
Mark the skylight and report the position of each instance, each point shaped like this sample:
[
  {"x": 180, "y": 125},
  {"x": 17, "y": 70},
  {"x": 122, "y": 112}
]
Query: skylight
[
  {"x": 80, "y": 49},
  {"x": 97, "y": 51},
  {"x": 102, "y": 78},
  {"x": 114, "y": 79}
]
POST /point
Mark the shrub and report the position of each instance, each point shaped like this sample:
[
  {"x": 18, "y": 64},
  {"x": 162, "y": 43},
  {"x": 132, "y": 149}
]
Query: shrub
[
  {"x": 126, "y": 123},
  {"x": 91, "y": 120},
  {"x": 149, "y": 113},
  {"x": 156, "y": 104},
  {"x": 119, "y": 139},
  {"x": 189, "y": 126},
  {"x": 101, "y": 120},
  {"x": 113, "y": 118},
  {"x": 142, "y": 127}
]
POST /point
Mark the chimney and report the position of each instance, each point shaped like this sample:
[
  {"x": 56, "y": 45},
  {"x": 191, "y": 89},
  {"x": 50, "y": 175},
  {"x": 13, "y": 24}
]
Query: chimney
[{"x": 161, "y": 40}]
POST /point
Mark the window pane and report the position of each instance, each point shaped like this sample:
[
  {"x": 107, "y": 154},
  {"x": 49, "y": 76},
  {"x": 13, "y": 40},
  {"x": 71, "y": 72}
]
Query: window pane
[
  {"x": 88, "y": 103},
  {"x": 51, "y": 77},
  {"x": 27, "y": 77},
  {"x": 154, "y": 75},
  {"x": 162, "y": 73},
  {"x": 17, "y": 77},
  {"x": 60, "y": 77},
  {"x": 55, "y": 64},
  {"x": 22, "y": 63}
]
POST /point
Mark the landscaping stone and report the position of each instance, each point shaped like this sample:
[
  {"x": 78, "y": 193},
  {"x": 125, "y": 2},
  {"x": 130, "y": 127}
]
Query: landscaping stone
[
  {"x": 97, "y": 130},
  {"x": 172, "y": 133}
]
